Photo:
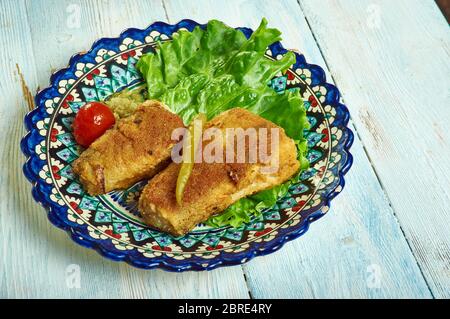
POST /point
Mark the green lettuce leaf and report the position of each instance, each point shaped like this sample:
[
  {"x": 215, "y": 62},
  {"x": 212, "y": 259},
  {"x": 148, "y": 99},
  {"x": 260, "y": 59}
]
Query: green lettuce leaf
[{"x": 216, "y": 69}]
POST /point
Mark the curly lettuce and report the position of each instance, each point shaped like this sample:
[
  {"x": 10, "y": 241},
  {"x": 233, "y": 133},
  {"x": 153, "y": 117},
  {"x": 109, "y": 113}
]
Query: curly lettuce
[{"x": 215, "y": 69}]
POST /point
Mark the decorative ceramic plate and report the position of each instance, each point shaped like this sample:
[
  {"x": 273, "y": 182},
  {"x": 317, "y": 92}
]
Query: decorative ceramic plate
[{"x": 111, "y": 223}]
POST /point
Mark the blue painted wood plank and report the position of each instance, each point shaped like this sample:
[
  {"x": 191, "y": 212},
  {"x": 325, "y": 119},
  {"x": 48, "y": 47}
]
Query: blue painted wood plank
[
  {"x": 14, "y": 196},
  {"x": 60, "y": 29},
  {"x": 358, "y": 250},
  {"x": 391, "y": 60}
]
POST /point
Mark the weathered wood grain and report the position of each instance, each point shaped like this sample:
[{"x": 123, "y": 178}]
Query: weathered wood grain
[
  {"x": 35, "y": 255},
  {"x": 402, "y": 59},
  {"x": 391, "y": 59},
  {"x": 361, "y": 236},
  {"x": 13, "y": 107}
]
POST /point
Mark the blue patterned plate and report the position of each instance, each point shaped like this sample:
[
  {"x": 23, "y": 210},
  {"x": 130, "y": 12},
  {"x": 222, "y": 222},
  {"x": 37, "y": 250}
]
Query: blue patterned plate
[{"x": 111, "y": 223}]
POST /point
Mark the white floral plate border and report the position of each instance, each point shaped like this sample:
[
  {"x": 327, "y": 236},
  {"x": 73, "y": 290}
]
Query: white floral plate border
[{"x": 111, "y": 224}]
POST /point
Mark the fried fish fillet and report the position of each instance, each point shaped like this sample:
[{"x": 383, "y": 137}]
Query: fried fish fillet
[
  {"x": 138, "y": 147},
  {"x": 212, "y": 187}
]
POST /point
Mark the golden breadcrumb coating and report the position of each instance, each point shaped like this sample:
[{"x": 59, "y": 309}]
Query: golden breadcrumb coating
[{"x": 136, "y": 148}]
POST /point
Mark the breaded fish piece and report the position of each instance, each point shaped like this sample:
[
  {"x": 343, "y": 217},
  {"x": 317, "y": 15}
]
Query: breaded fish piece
[
  {"x": 137, "y": 147},
  {"x": 212, "y": 187}
]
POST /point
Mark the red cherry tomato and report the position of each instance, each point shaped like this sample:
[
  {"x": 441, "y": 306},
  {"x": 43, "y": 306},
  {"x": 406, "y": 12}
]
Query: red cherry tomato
[{"x": 91, "y": 121}]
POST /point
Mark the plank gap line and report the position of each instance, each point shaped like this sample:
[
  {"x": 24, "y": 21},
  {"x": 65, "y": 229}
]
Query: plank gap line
[{"x": 163, "y": 3}]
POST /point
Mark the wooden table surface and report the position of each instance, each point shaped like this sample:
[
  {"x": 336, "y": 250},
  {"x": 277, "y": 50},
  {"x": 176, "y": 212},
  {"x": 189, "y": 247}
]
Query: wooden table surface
[{"x": 386, "y": 235}]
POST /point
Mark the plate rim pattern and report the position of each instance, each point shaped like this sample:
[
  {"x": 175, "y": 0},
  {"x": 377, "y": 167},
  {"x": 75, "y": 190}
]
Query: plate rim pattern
[{"x": 39, "y": 194}]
